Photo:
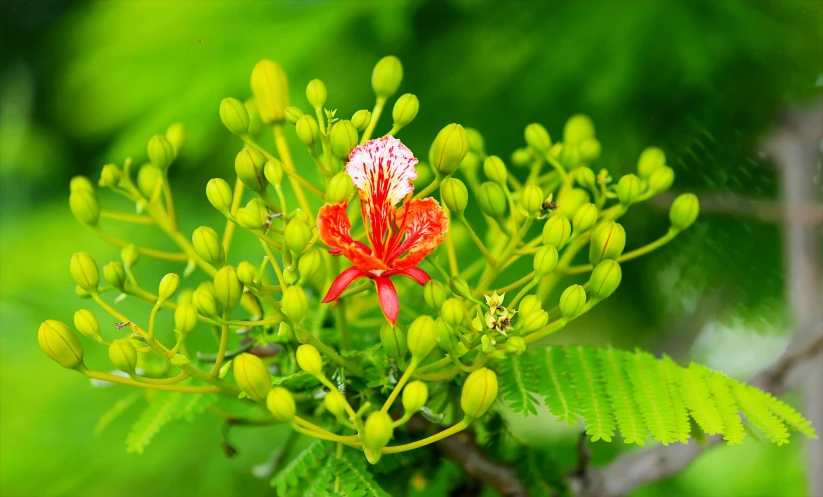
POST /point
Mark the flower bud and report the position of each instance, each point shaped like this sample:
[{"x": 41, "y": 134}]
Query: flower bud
[
  {"x": 335, "y": 403},
  {"x": 545, "y": 260},
  {"x": 87, "y": 324},
  {"x": 205, "y": 300},
  {"x": 59, "y": 343},
  {"x": 470, "y": 164},
  {"x": 405, "y": 110},
  {"x": 533, "y": 321},
  {"x": 476, "y": 142},
  {"x": 309, "y": 262},
  {"x": 459, "y": 287},
  {"x": 529, "y": 304},
  {"x": 309, "y": 360},
  {"x": 340, "y": 188},
  {"x": 585, "y": 218},
  {"x": 280, "y": 403},
  {"x": 147, "y": 178},
  {"x": 393, "y": 339},
  {"x": 292, "y": 114},
  {"x": 557, "y": 231},
  {"x": 115, "y": 274},
  {"x": 273, "y": 171},
  {"x": 628, "y": 189},
  {"x": 307, "y": 130},
  {"x": 422, "y": 337},
  {"x": 376, "y": 434},
  {"x": 589, "y": 150},
  {"x": 495, "y": 169},
  {"x": 451, "y": 310},
  {"x": 522, "y": 157},
  {"x": 255, "y": 124},
  {"x": 579, "y": 127},
  {"x": 454, "y": 195},
  {"x": 361, "y": 120},
  {"x": 585, "y": 177},
  {"x": 185, "y": 318},
  {"x": 130, "y": 255},
  {"x": 85, "y": 206},
  {"x": 110, "y": 176},
  {"x": 271, "y": 91},
  {"x": 161, "y": 153},
  {"x": 208, "y": 245},
  {"x": 479, "y": 392},
  {"x": 492, "y": 199},
  {"x": 252, "y": 216},
  {"x": 537, "y": 137},
  {"x": 123, "y": 355},
  {"x": 444, "y": 335},
  {"x": 684, "y": 211},
  {"x": 415, "y": 396},
  {"x": 316, "y": 93},
  {"x": 297, "y": 236},
  {"x": 185, "y": 297},
  {"x": 227, "y": 288},
  {"x": 252, "y": 376},
  {"x": 608, "y": 242},
  {"x": 386, "y": 77},
  {"x": 570, "y": 200},
  {"x": 434, "y": 293},
  {"x": 176, "y": 135},
  {"x": 605, "y": 279},
  {"x": 80, "y": 184},
  {"x": 246, "y": 273},
  {"x": 343, "y": 138},
  {"x": 661, "y": 179},
  {"x": 168, "y": 287},
  {"x": 249, "y": 168},
  {"x": 572, "y": 301},
  {"x": 235, "y": 116},
  {"x": 84, "y": 271},
  {"x": 532, "y": 199},
  {"x": 516, "y": 345},
  {"x": 650, "y": 159},
  {"x": 219, "y": 194},
  {"x": 295, "y": 303},
  {"x": 449, "y": 148}
]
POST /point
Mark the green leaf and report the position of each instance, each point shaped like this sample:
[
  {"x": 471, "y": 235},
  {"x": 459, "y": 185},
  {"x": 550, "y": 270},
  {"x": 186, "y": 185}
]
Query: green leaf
[
  {"x": 626, "y": 412},
  {"x": 519, "y": 377},
  {"x": 652, "y": 396},
  {"x": 300, "y": 467},
  {"x": 672, "y": 376},
  {"x": 733, "y": 431},
  {"x": 157, "y": 414},
  {"x": 793, "y": 418},
  {"x": 591, "y": 393},
  {"x": 557, "y": 386},
  {"x": 699, "y": 400},
  {"x": 756, "y": 404},
  {"x": 115, "y": 411},
  {"x": 355, "y": 479}
]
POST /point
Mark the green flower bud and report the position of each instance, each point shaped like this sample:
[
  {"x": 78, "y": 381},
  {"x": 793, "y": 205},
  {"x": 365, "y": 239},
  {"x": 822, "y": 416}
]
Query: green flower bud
[
  {"x": 309, "y": 360},
  {"x": 449, "y": 148},
  {"x": 415, "y": 396},
  {"x": 110, "y": 176},
  {"x": 608, "y": 241},
  {"x": 343, "y": 139},
  {"x": 185, "y": 297},
  {"x": 219, "y": 194},
  {"x": 589, "y": 150},
  {"x": 335, "y": 403},
  {"x": 280, "y": 403},
  {"x": 476, "y": 142},
  {"x": 628, "y": 189},
  {"x": 479, "y": 392},
  {"x": 115, "y": 274},
  {"x": 309, "y": 262},
  {"x": 59, "y": 343},
  {"x": 393, "y": 339},
  {"x": 557, "y": 231},
  {"x": 130, "y": 255},
  {"x": 605, "y": 279},
  {"x": 585, "y": 177},
  {"x": 255, "y": 124},
  {"x": 340, "y": 188},
  {"x": 297, "y": 236},
  {"x": 515, "y": 345},
  {"x": 570, "y": 200},
  {"x": 161, "y": 153},
  {"x": 455, "y": 195},
  {"x": 533, "y": 321},
  {"x": 147, "y": 178},
  {"x": 81, "y": 184},
  {"x": 84, "y": 271},
  {"x": 684, "y": 211},
  {"x": 307, "y": 130},
  {"x": 227, "y": 288},
  {"x": 422, "y": 337},
  {"x": 168, "y": 287},
  {"x": 361, "y": 120},
  {"x": 569, "y": 156},
  {"x": 208, "y": 245},
  {"x": 434, "y": 293},
  {"x": 295, "y": 303},
  {"x": 529, "y": 304},
  {"x": 661, "y": 179},
  {"x": 293, "y": 114},
  {"x": 532, "y": 199},
  {"x": 205, "y": 300},
  {"x": 386, "y": 77},
  {"x": 176, "y": 135},
  {"x": 650, "y": 159},
  {"x": 316, "y": 93},
  {"x": 254, "y": 215},
  {"x": 492, "y": 199},
  {"x": 249, "y": 168},
  {"x": 459, "y": 287},
  {"x": 405, "y": 110},
  {"x": 578, "y": 128},
  {"x": 376, "y": 434},
  {"x": 572, "y": 301},
  {"x": 271, "y": 90},
  {"x": 185, "y": 318},
  {"x": 123, "y": 355},
  {"x": 252, "y": 376},
  {"x": 537, "y": 137},
  {"x": 585, "y": 218},
  {"x": 445, "y": 339},
  {"x": 495, "y": 169},
  {"x": 545, "y": 260},
  {"x": 273, "y": 171},
  {"x": 451, "y": 310},
  {"x": 85, "y": 206},
  {"x": 235, "y": 116},
  {"x": 246, "y": 273},
  {"x": 87, "y": 324},
  {"x": 522, "y": 157},
  {"x": 470, "y": 164}
]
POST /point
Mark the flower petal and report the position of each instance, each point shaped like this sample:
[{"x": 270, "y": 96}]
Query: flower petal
[
  {"x": 388, "y": 298},
  {"x": 423, "y": 224},
  {"x": 342, "y": 281},
  {"x": 382, "y": 169},
  {"x": 334, "y": 228},
  {"x": 418, "y": 275}
]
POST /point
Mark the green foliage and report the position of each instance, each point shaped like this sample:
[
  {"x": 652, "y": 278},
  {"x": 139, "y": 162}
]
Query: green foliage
[
  {"x": 164, "y": 408},
  {"x": 518, "y": 378},
  {"x": 299, "y": 468},
  {"x": 541, "y": 474},
  {"x": 354, "y": 478}
]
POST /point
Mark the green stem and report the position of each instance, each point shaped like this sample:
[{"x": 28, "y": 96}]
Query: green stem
[
  {"x": 462, "y": 425},
  {"x": 375, "y": 116}
]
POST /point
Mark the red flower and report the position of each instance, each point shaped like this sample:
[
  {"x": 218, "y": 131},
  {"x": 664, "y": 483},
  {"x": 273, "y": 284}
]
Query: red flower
[{"x": 399, "y": 237}]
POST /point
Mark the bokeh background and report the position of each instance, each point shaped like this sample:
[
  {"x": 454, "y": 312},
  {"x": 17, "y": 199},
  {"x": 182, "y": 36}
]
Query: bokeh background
[{"x": 86, "y": 83}]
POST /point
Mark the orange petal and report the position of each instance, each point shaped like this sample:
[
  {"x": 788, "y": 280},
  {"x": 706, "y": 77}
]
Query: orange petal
[
  {"x": 334, "y": 228},
  {"x": 423, "y": 224}
]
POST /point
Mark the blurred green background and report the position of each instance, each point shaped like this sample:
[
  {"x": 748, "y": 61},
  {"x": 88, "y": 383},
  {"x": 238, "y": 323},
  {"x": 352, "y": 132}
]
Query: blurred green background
[{"x": 86, "y": 83}]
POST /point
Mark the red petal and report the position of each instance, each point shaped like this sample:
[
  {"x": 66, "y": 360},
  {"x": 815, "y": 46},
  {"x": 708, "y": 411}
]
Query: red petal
[
  {"x": 423, "y": 223},
  {"x": 334, "y": 228},
  {"x": 342, "y": 282},
  {"x": 388, "y": 298},
  {"x": 415, "y": 273}
]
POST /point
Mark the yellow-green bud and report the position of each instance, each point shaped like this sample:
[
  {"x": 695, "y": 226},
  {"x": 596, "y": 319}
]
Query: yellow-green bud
[
  {"x": 295, "y": 303},
  {"x": 273, "y": 171},
  {"x": 87, "y": 324},
  {"x": 589, "y": 150},
  {"x": 454, "y": 195},
  {"x": 545, "y": 260},
  {"x": 208, "y": 245},
  {"x": 650, "y": 159},
  {"x": 59, "y": 343},
  {"x": 492, "y": 199},
  {"x": 405, "y": 110},
  {"x": 309, "y": 360},
  {"x": 255, "y": 124},
  {"x": 415, "y": 396},
  {"x": 579, "y": 127},
  {"x": 123, "y": 355},
  {"x": 393, "y": 339},
  {"x": 515, "y": 345},
  {"x": 254, "y": 215},
  {"x": 293, "y": 114},
  {"x": 271, "y": 90},
  {"x": 335, "y": 403},
  {"x": 316, "y": 93},
  {"x": 185, "y": 318},
  {"x": 537, "y": 137},
  {"x": 340, "y": 188},
  {"x": 522, "y": 157},
  {"x": 280, "y": 403},
  {"x": 386, "y": 77},
  {"x": 608, "y": 242},
  {"x": 569, "y": 155},
  {"x": 219, "y": 194},
  {"x": 309, "y": 262},
  {"x": 605, "y": 279},
  {"x": 452, "y": 312},
  {"x": 185, "y": 297},
  {"x": 684, "y": 211},
  {"x": 147, "y": 178},
  {"x": 84, "y": 271},
  {"x": 628, "y": 189},
  {"x": 361, "y": 119},
  {"x": 585, "y": 177},
  {"x": 176, "y": 135},
  {"x": 434, "y": 293},
  {"x": 444, "y": 335},
  {"x": 249, "y": 168},
  {"x": 479, "y": 392},
  {"x": 205, "y": 299},
  {"x": 246, "y": 273},
  {"x": 476, "y": 142},
  {"x": 470, "y": 163},
  {"x": 130, "y": 255},
  {"x": 110, "y": 176},
  {"x": 343, "y": 138},
  {"x": 252, "y": 376},
  {"x": 297, "y": 235},
  {"x": 449, "y": 148},
  {"x": 570, "y": 200},
  {"x": 227, "y": 287},
  {"x": 533, "y": 321},
  {"x": 585, "y": 218},
  {"x": 661, "y": 179},
  {"x": 532, "y": 199},
  {"x": 557, "y": 231},
  {"x": 168, "y": 287},
  {"x": 422, "y": 337},
  {"x": 572, "y": 301},
  {"x": 307, "y": 130},
  {"x": 495, "y": 169},
  {"x": 459, "y": 287},
  {"x": 80, "y": 184},
  {"x": 85, "y": 206},
  {"x": 115, "y": 274},
  {"x": 529, "y": 304},
  {"x": 376, "y": 434},
  {"x": 161, "y": 153},
  {"x": 235, "y": 116}
]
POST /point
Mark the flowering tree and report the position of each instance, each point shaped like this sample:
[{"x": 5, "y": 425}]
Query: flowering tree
[{"x": 327, "y": 344}]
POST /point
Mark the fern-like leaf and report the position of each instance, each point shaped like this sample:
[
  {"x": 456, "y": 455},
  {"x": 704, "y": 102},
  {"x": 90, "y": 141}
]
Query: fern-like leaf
[
  {"x": 355, "y": 479},
  {"x": 673, "y": 377},
  {"x": 158, "y": 414},
  {"x": 519, "y": 377},
  {"x": 793, "y": 419},
  {"x": 733, "y": 430},
  {"x": 298, "y": 468},
  {"x": 591, "y": 393},
  {"x": 626, "y": 412},
  {"x": 651, "y": 395},
  {"x": 756, "y": 404},
  {"x": 700, "y": 401},
  {"x": 115, "y": 411},
  {"x": 557, "y": 386},
  {"x": 539, "y": 472}
]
